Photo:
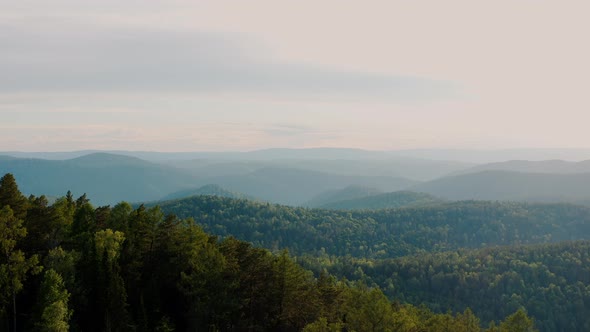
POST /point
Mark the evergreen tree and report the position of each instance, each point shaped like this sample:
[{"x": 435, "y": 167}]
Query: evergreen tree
[
  {"x": 467, "y": 321},
  {"x": 298, "y": 299},
  {"x": 112, "y": 296},
  {"x": 10, "y": 195},
  {"x": 202, "y": 279}
]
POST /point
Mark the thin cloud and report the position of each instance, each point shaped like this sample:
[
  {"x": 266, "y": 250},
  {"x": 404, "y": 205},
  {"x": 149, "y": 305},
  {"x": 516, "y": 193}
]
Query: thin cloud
[{"x": 75, "y": 58}]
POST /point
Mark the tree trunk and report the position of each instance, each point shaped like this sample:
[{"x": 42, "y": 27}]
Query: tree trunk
[{"x": 13, "y": 309}]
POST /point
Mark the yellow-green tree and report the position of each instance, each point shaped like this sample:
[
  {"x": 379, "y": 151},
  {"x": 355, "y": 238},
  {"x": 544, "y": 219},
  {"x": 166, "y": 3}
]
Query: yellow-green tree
[
  {"x": 53, "y": 314},
  {"x": 518, "y": 322},
  {"x": 369, "y": 310},
  {"x": 14, "y": 266}
]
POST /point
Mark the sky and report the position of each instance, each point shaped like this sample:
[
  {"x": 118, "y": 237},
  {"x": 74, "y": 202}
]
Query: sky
[{"x": 244, "y": 75}]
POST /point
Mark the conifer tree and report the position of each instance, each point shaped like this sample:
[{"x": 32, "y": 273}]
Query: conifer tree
[
  {"x": 10, "y": 195},
  {"x": 113, "y": 297}
]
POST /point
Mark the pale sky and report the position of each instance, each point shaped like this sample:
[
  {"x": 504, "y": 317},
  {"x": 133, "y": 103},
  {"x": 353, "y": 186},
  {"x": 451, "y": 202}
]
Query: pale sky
[{"x": 243, "y": 75}]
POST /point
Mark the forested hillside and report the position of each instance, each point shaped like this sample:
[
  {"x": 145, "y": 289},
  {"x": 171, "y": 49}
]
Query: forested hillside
[
  {"x": 385, "y": 233},
  {"x": 209, "y": 189},
  {"x": 422, "y": 256},
  {"x": 348, "y": 193},
  {"x": 552, "y": 281},
  {"x": 384, "y": 201},
  {"x": 72, "y": 267}
]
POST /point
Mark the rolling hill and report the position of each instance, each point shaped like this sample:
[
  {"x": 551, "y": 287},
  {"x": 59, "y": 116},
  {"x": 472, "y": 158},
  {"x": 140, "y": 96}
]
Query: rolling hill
[
  {"x": 503, "y": 185},
  {"x": 384, "y": 233},
  {"x": 295, "y": 186},
  {"x": 113, "y": 177},
  {"x": 206, "y": 190},
  {"x": 348, "y": 193},
  {"x": 384, "y": 201},
  {"x": 526, "y": 166},
  {"x": 415, "y": 169},
  {"x": 106, "y": 178}
]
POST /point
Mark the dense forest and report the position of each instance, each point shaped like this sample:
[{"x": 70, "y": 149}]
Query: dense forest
[
  {"x": 552, "y": 281},
  {"x": 71, "y": 266},
  {"x": 442, "y": 256},
  {"x": 385, "y": 233},
  {"x": 391, "y": 200}
]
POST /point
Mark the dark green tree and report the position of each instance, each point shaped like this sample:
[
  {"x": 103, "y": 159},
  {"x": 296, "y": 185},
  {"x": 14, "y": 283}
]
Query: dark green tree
[
  {"x": 297, "y": 295},
  {"x": 10, "y": 195},
  {"x": 112, "y": 296}
]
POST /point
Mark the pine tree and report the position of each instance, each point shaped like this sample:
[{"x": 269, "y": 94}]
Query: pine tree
[
  {"x": 10, "y": 195},
  {"x": 113, "y": 297}
]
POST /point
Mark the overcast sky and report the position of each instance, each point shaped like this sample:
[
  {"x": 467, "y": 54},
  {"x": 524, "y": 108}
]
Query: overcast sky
[{"x": 243, "y": 75}]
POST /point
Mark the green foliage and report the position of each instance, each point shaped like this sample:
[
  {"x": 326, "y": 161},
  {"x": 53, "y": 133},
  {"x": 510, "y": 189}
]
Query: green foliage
[
  {"x": 113, "y": 295},
  {"x": 351, "y": 192},
  {"x": 384, "y": 201},
  {"x": 11, "y": 196},
  {"x": 108, "y": 244},
  {"x": 322, "y": 325},
  {"x": 385, "y": 233},
  {"x": 297, "y": 293},
  {"x": 126, "y": 269},
  {"x": 550, "y": 280},
  {"x": 53, "y": 313},
  {"x": 14, "y": 266},
  {"x": 369, "y": 310},
  {"x": 64, "y": 263},
  {"x": 518, "y": 322},
  {"x": 208, "y": 190}
]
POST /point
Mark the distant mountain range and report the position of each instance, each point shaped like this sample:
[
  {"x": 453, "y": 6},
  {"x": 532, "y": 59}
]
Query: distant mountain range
[
  {"x": 521, "y": 180},
  {"x": 260, "y": 155},
  {"x": 503, "y": 185},
  {"x": 306, "y": 177},
  {"x": 415, "y": 169},
  {"x": 526, "y": 166},
  {"x": 106, "y": 178},
  {"x": 110, "y": 178},
  {"x": 472, "y": 156},
  {"x": 294, "y": 186},
  {"x": 493, "y": 156}
]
